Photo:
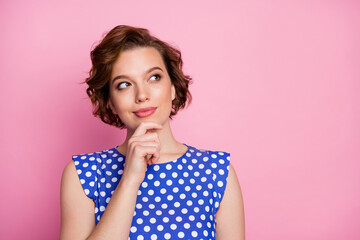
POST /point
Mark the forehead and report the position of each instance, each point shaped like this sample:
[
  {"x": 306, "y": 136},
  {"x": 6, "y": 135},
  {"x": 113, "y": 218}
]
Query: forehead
[{"x": 136, "y": 61}]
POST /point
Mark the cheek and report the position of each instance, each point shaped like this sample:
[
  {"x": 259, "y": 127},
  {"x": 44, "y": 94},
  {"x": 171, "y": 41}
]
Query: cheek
[
  {"x": 167, "y": 92},
  {"x": 119, "y": 103},
  {"x": 122, "y": 105},
  {"x": 165, "y": 96}
]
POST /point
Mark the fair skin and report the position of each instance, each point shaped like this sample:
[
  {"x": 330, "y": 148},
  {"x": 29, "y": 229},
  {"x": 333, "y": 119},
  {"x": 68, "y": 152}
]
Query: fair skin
[{"x": 139, "y": 79}]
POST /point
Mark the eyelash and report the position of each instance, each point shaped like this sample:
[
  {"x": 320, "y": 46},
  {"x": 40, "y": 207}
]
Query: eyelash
[
  {"x": 158, "y": 76},
  {"x": 118, "y": 86}
]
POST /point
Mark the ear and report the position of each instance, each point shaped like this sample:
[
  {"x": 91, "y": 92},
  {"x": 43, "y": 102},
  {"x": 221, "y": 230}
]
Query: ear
[
  {"x": 173, "y": 92},
  {"x": 111, "y": 107}
]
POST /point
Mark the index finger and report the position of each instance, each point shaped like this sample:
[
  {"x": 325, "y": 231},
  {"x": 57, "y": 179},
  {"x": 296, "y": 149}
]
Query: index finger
[{"x": 144, "y": 126}]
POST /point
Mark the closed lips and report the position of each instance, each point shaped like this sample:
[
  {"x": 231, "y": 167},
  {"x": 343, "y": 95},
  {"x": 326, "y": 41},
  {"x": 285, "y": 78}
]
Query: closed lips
[
  {"x": 145, "y": 112},
  {"x": 145, "y": 109}
]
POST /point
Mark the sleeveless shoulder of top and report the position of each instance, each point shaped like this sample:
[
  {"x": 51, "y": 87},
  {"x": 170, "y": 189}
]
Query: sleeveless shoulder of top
[{"x": 176, "y": 200}]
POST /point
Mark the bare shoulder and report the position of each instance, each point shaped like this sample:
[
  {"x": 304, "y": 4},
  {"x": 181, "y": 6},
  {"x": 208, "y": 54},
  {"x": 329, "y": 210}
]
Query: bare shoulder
[
  {"x": 77, "y": 210},
  {"x": 230, "y": 219},
  {"x": 70, "y": 181},
  {"x": 69, "y": 172}
]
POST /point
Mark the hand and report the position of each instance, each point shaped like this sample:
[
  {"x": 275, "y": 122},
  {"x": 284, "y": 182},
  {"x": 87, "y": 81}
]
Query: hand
[{"x": 143, "y": 148}]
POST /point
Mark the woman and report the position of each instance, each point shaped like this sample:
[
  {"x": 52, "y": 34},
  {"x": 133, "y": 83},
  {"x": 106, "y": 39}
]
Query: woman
[{"x": 151, "y": 186}]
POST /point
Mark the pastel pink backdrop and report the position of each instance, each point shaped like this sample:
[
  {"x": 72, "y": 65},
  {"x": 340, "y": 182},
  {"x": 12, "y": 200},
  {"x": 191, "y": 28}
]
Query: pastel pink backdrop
[{"x": 276, "y": 83}]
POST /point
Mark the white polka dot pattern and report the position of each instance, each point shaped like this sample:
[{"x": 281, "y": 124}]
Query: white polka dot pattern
[{"x": 176, "y": 200}]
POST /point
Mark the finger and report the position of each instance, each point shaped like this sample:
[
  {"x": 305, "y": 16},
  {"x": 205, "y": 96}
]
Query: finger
[
  {"x": 154, "y": 158},
  {"x": 145, "y": 126},
  {"x": 153, "y": 137},
  {"x": 150, "y": 156},
  {"x": 146, "y": 149},
  {"x": 138, "y": 145}
]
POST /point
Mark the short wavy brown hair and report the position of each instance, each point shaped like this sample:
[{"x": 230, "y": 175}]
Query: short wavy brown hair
[{"x": 103, "y": 56}]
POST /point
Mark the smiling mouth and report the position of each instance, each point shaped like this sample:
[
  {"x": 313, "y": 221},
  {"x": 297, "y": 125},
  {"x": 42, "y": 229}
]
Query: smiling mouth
[{"x": 145, "y": 112}]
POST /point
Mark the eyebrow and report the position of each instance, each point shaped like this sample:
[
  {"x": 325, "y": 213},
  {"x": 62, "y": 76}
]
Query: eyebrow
[{"x": 148, "y": 71}]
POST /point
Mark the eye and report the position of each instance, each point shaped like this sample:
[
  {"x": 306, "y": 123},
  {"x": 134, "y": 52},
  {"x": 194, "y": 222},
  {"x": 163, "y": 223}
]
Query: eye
[
  {"x": 155, "y": 77},
  {"x": 123, "y": 85}
]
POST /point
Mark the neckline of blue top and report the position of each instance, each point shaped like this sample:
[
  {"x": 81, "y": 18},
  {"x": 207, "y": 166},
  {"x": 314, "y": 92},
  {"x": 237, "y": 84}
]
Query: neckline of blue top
[{"x": 159, "y": 164}]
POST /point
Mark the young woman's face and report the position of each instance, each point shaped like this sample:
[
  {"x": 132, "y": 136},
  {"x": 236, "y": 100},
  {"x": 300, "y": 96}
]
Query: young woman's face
[{"x": 139, "y": 81}]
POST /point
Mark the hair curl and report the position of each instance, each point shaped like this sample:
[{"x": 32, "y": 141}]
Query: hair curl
[{"x": 103, "y": 56}]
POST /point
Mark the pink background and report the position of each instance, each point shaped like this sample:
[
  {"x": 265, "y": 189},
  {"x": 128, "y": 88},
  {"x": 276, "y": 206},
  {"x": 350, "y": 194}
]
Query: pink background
[{"x": 276, "y": 83}]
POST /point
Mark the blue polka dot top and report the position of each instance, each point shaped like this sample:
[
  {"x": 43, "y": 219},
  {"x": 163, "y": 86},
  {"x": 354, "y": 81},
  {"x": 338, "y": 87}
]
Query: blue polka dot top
[{"x": 176, "y": 200}]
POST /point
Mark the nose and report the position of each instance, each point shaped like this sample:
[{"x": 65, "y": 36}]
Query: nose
[{"x": 142, "y": 94}]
